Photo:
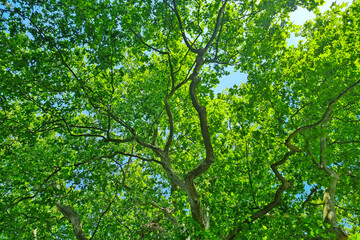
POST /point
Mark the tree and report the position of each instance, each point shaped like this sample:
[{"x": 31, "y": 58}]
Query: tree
[{"x": 111, "y": 128}]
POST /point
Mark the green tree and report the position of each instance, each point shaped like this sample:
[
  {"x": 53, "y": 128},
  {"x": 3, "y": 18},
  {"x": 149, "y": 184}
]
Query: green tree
[{"x": 110, "y": 128}]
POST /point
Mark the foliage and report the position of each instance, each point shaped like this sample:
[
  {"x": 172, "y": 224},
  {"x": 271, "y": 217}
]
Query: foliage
[{"x": 110, "y": 127}]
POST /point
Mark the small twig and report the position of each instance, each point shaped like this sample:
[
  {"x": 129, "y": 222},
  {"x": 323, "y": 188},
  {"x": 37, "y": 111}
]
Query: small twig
[{"x": 104, "y": 212}]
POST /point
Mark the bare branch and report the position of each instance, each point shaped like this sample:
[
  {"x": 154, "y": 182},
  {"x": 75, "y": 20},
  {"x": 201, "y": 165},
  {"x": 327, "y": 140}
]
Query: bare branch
[
  {"x": 124, "y": 225},
  {"x": 249, "y": 174},
  {"x": 312, "y": 156},
  {"x": 348, "y": 209},
  {"x": 186, "y": 79},
  {"x": 347, "y": 121},
  {"x": 108, "y": 139},
  {"x": 80, "y": 135},
  {"x": 297, "y": 111},
  {"x": 123, "y": 182}
]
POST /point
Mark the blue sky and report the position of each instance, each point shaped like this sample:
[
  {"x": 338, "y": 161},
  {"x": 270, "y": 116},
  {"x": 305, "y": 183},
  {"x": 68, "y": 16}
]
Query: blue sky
[{"x": 299, "y": 17}]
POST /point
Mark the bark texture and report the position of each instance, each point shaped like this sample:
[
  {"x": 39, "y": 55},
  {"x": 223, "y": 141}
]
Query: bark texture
[{"x": 74, "y": 219}]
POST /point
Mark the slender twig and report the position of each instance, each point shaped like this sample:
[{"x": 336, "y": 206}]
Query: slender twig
[
  {"x": 57, "y": 169},
  {"x": 249, "y": 175},
  {"x": 344, "y": 142},
  {"x": 103, "y": 213},
  {"x": 309, "y": 197},
  {"x": 324, "y": 117},
  {"x": 149, "y": 46}
]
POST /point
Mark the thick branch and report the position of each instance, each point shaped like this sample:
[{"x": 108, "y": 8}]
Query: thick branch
[
  {"x": 200, "y": 169},
  {"x": 285, "y": 185},
  {"x": 190, "y": 47},
  {"x": 217, "y": 26},
  {"x": 171, "y": 123},
  {"x": 210, "y": 156},
  {"x": 74, "y": 219},
  {"x": 329, "y": 216},
  {"x": 167, "y": 213},
  {"x": 329, "y": 211},
  {"x": 277, "y": 199},
  {"x": 191, "y": 191},
  {"x": 175, "y": 179},
  {"x": 195, "y": 80}
]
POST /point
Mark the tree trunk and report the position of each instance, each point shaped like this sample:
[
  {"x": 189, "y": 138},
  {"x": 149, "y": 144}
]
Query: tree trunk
[{"x": 330, "y": 213}]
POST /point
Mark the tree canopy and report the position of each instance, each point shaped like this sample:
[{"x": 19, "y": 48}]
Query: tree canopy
[{"x": 110, "y": 127}]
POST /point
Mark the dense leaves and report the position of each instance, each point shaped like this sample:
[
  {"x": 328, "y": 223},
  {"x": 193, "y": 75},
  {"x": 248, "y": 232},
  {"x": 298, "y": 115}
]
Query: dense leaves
[{"x": 110, "y": 127}]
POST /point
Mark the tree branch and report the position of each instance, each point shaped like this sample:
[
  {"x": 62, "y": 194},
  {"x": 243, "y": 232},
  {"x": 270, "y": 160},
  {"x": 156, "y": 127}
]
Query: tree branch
[
  {"x": 171, "y": 123},
  {"x": 149, "y": 46},
  {"x": 190, "y": 47},
  {"x": 104, "y": 212},
  {"x": 167, "y": 213},
  {"x": 38, "y": 191},
  {"x": 277, "y": 198},
  {"x": 325, "y": 116},
  {"x": 217, "y": 25},
  {"x": 344, "y": 142},
  {"x": 309, "y": 197},
  {"x": 74, "y": 219}
]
